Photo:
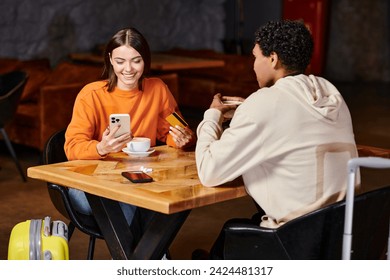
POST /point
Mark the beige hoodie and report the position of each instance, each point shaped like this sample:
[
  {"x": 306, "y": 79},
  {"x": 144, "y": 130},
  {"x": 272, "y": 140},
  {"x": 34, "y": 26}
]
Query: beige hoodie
[{"x": 290, "y": 142}]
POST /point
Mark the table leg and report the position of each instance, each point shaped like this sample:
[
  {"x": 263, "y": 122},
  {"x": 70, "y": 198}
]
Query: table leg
[
  {"x": 159, "y": 235},
  {"x": 113, "y": 225},
  {"x": 155, "y": 240}
]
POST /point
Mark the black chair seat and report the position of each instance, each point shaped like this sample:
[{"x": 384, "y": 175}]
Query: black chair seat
[
  {"x": 315, "y": 236},
  {"x": 59, "y": 195}
]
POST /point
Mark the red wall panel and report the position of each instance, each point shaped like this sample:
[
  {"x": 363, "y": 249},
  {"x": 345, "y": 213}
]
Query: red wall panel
[{"x": 314, "y": 14}]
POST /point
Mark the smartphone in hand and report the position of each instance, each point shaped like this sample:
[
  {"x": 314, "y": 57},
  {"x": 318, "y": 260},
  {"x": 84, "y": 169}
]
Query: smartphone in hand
[
  {"x": 231, "y": 102},
  {"x": 137, "y": 176},
  {"x": 123, "y": 120}
]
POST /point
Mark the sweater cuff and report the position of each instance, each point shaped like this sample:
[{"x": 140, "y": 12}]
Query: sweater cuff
[
  {"x": 170, "y": 141},
  {"x": 214, "y": 115},
  {"x": 97, "y": 153}
]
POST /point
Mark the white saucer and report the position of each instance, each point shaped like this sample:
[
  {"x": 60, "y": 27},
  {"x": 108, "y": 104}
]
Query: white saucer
[{"x": 138, "y": 154}]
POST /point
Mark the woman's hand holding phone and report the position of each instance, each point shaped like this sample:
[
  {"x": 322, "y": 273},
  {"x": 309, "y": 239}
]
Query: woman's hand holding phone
[{"x": 110, "y": 143}]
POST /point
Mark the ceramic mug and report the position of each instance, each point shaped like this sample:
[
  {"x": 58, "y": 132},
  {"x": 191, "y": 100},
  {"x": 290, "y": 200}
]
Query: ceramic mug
[{"x": 139, "y": 144}]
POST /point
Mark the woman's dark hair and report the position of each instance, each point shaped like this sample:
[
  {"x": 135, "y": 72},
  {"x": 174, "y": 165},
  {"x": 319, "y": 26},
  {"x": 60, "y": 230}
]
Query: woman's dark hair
[
  {"x": 129, "y": 37},
  {"x": 290, "y": 40}
]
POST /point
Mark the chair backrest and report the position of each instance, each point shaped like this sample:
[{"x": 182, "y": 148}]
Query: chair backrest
[
  {"x": 54, "y": 149},
  {"x": 11, "y": 89},
  {"x": 316, "y": 235},
  {"x": 53, "y": 153}
]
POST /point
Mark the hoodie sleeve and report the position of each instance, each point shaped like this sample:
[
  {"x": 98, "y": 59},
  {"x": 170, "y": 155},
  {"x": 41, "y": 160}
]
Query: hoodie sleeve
[{"x": 221, "y": 158}]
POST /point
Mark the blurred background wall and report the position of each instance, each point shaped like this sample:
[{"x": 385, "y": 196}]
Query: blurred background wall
[
  {"x": 51, "y": 28},
  {"x": 357, "y": 41}
]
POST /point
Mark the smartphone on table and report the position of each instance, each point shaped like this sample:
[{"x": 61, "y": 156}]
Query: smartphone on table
[
  {"x": 137, "y": 176},
  {"x": 123, "y": 120}
]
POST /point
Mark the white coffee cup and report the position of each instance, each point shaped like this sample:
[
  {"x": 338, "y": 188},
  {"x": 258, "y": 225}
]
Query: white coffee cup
[{"x": 139, "y": 144}]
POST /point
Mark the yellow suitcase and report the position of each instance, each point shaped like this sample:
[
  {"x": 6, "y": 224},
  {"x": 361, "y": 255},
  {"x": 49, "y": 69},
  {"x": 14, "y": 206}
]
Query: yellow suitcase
[{"x": 37, "y": 240}]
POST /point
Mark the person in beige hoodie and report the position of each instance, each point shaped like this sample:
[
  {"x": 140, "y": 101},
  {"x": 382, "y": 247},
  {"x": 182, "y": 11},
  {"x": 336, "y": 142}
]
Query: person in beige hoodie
[{"x": 290, "y": 140}]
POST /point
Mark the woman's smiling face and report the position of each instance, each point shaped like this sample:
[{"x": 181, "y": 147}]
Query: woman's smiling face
[{"x": 128, "y": 66}]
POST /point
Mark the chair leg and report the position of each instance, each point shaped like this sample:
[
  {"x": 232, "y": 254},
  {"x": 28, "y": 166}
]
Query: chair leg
[
  {"x": 91, "y": 247},
  {"x": 11, "y": 150},
  {"x": 71, "y": 228}
]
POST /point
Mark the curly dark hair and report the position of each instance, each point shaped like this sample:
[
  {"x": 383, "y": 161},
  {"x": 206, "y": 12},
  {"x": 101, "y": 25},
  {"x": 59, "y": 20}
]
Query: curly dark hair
[{"x": 290, "y": 40}]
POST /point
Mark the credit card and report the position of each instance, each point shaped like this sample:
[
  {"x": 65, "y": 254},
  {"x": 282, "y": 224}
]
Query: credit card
[{"x": 174, "y": 119}]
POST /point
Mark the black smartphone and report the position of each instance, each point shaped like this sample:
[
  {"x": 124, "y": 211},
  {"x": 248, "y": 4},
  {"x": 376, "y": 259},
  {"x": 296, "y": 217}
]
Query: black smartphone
[{"x": 137, "y": 176}]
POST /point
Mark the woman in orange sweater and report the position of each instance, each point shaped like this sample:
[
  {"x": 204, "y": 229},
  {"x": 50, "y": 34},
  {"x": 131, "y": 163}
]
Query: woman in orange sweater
[{"x": 148, "y": 101}]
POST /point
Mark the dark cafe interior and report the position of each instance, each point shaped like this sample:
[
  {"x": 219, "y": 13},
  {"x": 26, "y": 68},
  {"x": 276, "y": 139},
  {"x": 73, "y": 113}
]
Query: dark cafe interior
[{"x": 199, "y": 48}]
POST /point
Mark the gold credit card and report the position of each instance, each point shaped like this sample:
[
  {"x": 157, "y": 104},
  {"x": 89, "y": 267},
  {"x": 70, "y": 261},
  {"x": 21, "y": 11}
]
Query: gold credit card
[{"x": 174, "y": 119}]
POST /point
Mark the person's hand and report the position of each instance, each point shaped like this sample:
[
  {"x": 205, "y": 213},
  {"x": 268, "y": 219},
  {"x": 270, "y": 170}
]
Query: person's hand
[
  {"x": 218, "y": 103},
  {"x": 110, "y": 144},
  {"x": 181, "y": 136}
]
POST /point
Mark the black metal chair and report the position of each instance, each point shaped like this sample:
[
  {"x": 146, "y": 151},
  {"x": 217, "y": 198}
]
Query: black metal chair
[
  {"x": 316, "y": 235},
  {"x": 11, "y": 89},
  {"x": 53, "y": 153}
]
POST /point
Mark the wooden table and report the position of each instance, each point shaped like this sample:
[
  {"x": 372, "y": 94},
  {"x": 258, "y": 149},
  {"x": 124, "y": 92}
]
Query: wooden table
[
  {"x": 175, "y": 191},
  {"x": 160, "y": 62}
]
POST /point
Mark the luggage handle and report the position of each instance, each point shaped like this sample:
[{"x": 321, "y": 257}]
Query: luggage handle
[
  {"x": 353, "y": 164},
  {"x": 35, "y": 240},
  {"x": 46, "y": 226}
]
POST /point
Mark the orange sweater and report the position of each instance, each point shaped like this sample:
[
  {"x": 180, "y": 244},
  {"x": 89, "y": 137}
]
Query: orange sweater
[{"x": 94, "y": 104}]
